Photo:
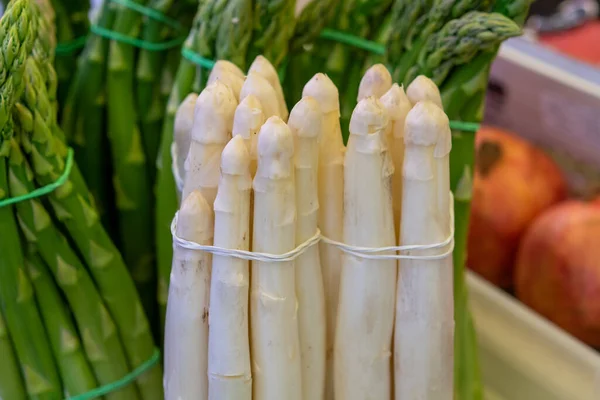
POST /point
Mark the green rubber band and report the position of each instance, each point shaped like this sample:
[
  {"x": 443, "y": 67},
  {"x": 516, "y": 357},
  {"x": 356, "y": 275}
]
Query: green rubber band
[
  {"x": 139, "y": 43},
  {"x": 44, "y": 189},
  {"x": 70, "y": 46},
  {"x": 197, "y": 58},
  {"x": 464, "y": 126},
  {"x": 121, "y": 383},
  {"x": 354, "y": 41},
  {"x": 149, "y": 12}
]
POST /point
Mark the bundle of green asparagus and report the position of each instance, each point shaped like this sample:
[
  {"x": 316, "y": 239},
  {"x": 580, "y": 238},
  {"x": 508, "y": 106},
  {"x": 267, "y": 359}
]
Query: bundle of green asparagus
[
  {"x": 71, "y": 321},
  {"x": 113, "y": 116}
]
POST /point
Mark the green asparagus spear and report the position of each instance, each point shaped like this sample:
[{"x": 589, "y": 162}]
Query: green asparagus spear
[
  {"x": 459, "y": 41},
  {"x": 18, "y": 30},
  {"x": 130, "y": 180},
  {"x": 75, "y": 372},
  {"x": 83, "y": 120},
  {"x": 82, "y": 223},
  {"x": 166, "y": 192},
  {"x": 11, "y": 383},
  {"x": 311, "y": 21},
  {"x": 100, "y": 338},
  {"x": 274, "y": 22},
  {"x": 235, "y": 32}
]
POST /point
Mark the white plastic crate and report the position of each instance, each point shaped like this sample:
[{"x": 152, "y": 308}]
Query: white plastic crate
[{"x": 525, "y": 357}]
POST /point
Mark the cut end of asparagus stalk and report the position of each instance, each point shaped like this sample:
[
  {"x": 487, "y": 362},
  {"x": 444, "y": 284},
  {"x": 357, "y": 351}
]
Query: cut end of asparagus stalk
[
  {"x": 195, "y": 220},
  {"x": 368, "y": 117},
  {"x": 397, "y": 105},
  {"x": 229, "y": 74},
  {"x": 275, "y": 150},
  {"x": 322, "y": 88},
  {"x": 424, "y": 89},
  {"x": 423, "y": 124},
  {"x": 375, "y": 82},
  {"x": 235, "y": 159},
  {"x": 264, "y": 68},
  {"x": 306, "y": 118},
  {"x": 257, "y": 85},
  {"x": 213, "y": 115}
]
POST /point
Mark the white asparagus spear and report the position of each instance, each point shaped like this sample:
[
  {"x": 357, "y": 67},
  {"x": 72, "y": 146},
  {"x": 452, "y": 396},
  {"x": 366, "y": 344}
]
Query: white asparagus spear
[
  {"x": 248, "y": 119},
  {"x": 331, "y": 202},
  {"x": 257, "y": 85},
  {"x": 229, "y": 373},
  {"x": 375, "y": 82},
  {"x": 229, "y": 74},
  {"x": 275, "y": 345},
  {"x": 186, "y": 327},
  {"x": 213, "y": 123},
  {"x": 305, "y": 123},
  {"x": 182, "y": 132},
  {"x": 397, "y": 105},
  {"x": 424, "y": 89},
  {"x": 363, "y": 368},
  {"x": 424, "y": 331},
  {"x": 264, "y": 68}
]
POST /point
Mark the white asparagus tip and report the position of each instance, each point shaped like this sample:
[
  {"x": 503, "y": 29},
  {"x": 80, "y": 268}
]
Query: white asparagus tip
[
  {"x": 228, "y": 66},
  {"x": 194, "y": 219},
  {"x": 261, "y": 63},
  {"x": 424, "y": 123},
  {"x": 397, "y": 105},
  {"x": 275, "y": 149},
  {"x": 235, "y": 159},
  {"x": 322, "y": 88},
  {"x": 375, "y": 82},
  {"x": 306, "y": 117},
  {"x": 424, "y": 89},
  {"x": 248, "y": 118},
  {"x": 213, "y": 116},
  {"x": 184, "y": 117},
  {"x": 369, "y": 116},
  {"x": 256, "y": 84}
]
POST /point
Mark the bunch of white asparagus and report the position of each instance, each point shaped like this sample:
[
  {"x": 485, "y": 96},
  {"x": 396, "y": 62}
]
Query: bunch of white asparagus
[{"x": 262, "y": 314}]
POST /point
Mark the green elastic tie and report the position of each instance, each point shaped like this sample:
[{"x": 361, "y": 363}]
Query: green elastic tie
[
  {"x": 44, "y": 189},
  {"x": 71, "y": 46},
  {"x": 197, "y": 59},
  {"x": 126, "y": 380},
  {"x": 464, "y": 126},
  {"x": 140, "y": 43},
  {"x": 353, "y": 41}
]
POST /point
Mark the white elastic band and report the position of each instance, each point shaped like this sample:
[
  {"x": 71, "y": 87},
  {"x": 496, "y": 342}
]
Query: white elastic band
[
  {"x": 357, "y": 251},
  {"x": 175, "y": 167}
]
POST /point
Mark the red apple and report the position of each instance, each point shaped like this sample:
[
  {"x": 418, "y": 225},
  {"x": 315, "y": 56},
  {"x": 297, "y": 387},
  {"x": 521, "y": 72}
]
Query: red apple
[
  {"x": 513, "y": 183},
  {"x": 557, "y": 272}
]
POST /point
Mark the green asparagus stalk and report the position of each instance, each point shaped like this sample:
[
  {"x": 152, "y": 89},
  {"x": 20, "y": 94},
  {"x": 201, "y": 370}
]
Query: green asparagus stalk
[
  {"x": 311, "y": 21},
  {"x": 274, "y": 22},
  {"x": 18, "y": 30},
  {"x": 85, "y": 230},
  {"x": 100, "y": 337},
  {"x": 166, "y": 191},
  {"x": 130, "y": 181},
  {"x": 11, "y": 384},
  {"x": 235, "y": 32},
  {"x": 76, "y": 374},
  {"x": 459, "y": 41},
  {"x": 83, "y": 120},
  {"x": 207, "y": 21}
]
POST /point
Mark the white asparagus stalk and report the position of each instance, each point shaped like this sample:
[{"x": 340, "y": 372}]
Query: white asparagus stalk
[
  {"x": 305, "y": 123},
  {"x": 363, "y": 368},
  {"x": 264, "y": 68},
  {"x": 397, "y": 105},
  {"x": 424, "y": 327},
  {"x": 375, "y": 82},
  {"x": 424, "y": 89},
  {"x": 182, "y": 132},
  {"x": 213, "y": 123},
  {"x": 275, "y": 345},
  {"x": 186, "y": 327},
  {"x": 228, "y": 73},
  {"x": 229, "y": 370},
  {"x": 257, "y": 85},
  {"x": 248, "y": 119},
  {"x": 331, "y": 203}
]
